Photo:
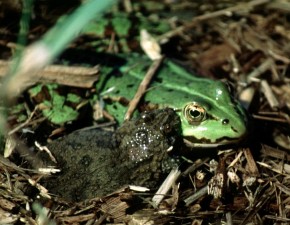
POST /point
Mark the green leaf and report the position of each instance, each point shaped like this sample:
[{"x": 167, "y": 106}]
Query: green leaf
[
  {"x": 155, "y": 25},
  {"x": 52, "y": 86},
  {"x": 47, "y": 104},
  {"x": 96, "y": 28},
  {"x": 61, "y": 115},
  {"x": 57, "y": 100},
  {"x": 121, "y": 25},
  {"x": 64, "y": 115},
  {"x": 73, "y": 98},
  {"x": 17, "y": 108},
  {"x": 21, "y": 118},
  {"x": 35, "y": 90}
]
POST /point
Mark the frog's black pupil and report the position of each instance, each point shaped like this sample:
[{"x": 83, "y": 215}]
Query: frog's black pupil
[
  {"x": 225, "y": 121},
  {"x": 194, "y": 113}
]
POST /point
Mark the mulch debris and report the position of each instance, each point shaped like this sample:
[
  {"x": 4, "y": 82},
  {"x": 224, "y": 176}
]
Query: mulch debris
[{"x": 246, "y": 43}]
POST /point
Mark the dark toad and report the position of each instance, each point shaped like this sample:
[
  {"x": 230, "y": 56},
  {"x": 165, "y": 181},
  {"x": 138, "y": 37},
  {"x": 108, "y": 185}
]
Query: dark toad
[{"x": 97, "y": 162}]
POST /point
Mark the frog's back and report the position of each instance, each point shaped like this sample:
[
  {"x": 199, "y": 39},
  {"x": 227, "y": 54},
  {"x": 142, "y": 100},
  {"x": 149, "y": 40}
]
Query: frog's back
[{"x": 171, "y": 82}]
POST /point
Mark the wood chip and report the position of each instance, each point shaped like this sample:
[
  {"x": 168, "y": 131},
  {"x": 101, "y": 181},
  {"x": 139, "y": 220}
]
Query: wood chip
[{"x": 76, "y": 76}]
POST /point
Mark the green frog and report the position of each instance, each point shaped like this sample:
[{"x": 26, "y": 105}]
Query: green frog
[{"x": 210, "y": 115}]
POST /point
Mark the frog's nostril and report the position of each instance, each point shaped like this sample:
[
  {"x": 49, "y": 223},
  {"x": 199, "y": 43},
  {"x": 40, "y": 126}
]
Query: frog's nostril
[{"x": 225, "y": 121}]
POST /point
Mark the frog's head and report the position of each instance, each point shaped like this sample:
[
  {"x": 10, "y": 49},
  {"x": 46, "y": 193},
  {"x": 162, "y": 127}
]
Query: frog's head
[
  {"x": 153, "y": 133},
  {"x": 213, "y": 117}
]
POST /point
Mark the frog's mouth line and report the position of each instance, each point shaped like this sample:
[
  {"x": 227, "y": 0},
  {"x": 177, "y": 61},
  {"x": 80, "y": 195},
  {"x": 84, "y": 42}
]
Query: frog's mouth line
[{"x": 205, "y": 143}]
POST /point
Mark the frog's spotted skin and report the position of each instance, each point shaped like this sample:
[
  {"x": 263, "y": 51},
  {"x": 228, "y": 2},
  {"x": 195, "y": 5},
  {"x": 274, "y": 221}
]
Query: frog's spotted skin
[
  {"x": 144, "y": 137},
  {"x": 210, "y": 116}
]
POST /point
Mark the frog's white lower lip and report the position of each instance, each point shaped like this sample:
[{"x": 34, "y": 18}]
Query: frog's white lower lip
[{"x": 208, "y": 145}]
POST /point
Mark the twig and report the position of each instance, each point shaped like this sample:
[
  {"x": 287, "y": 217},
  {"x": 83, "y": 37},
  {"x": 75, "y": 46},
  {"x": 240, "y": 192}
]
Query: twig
[
  {"x": 229, "y": 218},
  {"x": 272, "y": 100},
  {"x": 278, "y": 219},
  {"x": 259, "y": 205},
  {"x": 223, "y": 12},
  {"x": 166, "y": 185},
  {"x": 128, "y": 6},
  {"x": 267, "y": 64},
  {"x": 196, "y": 195},
  {"x": 259, "y": 117},
  {"x": 252, "y": 168},
  {"x": 23, "y": 124},
  {"x": 198, "y": 163},
  {"x": 142, "y": 88}
]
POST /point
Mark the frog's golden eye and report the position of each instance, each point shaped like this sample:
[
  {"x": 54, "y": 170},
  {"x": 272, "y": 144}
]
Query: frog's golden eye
[{"x": 194, "y": 113}]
